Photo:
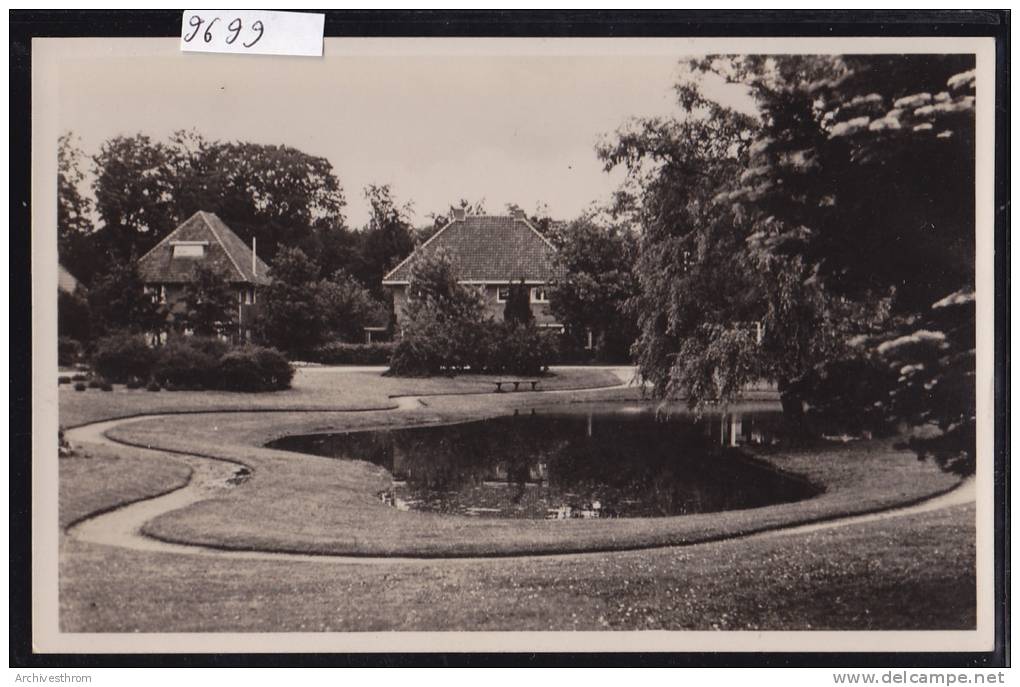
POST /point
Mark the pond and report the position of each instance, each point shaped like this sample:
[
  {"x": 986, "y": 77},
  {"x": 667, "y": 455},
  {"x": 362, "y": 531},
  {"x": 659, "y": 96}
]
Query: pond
[{"x": 580, "y": 461}]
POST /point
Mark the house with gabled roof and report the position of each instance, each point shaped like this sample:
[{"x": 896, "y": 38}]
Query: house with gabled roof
[
  {"x": 204, "y": 240},
  {"x": 489, "y": 252}
]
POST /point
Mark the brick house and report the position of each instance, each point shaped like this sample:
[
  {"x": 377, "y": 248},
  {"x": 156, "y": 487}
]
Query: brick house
[
  {"x": 204, "y": 240},
  {"x": 489, "y": 252}
]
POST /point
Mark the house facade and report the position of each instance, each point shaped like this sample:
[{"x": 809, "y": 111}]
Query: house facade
[
  {"x": 488, "y": 252},
  {"x": 204, "y": 240}
]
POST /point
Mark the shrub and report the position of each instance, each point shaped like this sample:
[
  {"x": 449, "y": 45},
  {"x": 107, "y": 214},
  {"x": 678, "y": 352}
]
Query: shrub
[
  {"x": 134, "y": 384},
  {"x": 338, "y": 353},
  {"x": 63, "y": 379},
  {"x": 68, "y": 351},
  {"x": 95, "y": 383},
  {"x": 152, "y": 386},
  {"x": 254, "y": 368},
  {"x": 187, "y": 362},
  {"x": 120, "y": 357},
  {"x": 79, "y": 378},
  {"x": 106, "y": 386},
  {"x": 80, "y": 386},
  {"x": 522, "y": 350}
]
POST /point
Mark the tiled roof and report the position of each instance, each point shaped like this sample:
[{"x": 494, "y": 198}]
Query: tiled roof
[
  {"x": 487, "y": 248},
  {"x": 225, "y": 253}
]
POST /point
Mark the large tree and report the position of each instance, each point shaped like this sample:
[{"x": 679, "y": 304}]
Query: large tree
[
  {"x": 387, "y": 239},
  {"x": 210, "y": 304},
  {"x": 594, "y": 293},
  {"x": 832, "y": 218},
  {"x": 290, "y": 314},
  {"x": 276, "y": 194},
  {"x": 118, "y": 300},
  {"x": 75, "y": 246}
]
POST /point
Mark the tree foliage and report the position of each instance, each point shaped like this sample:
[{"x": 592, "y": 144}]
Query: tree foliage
[
  {"x": 210, "y": 303},
  {"x": 118, "y": 301},
  {"x": 388, "y": 237},
  {"x": 598, "y": 282},
  {"x": 831, "y": 219},
  {"x": 517, "y": 310},
  {"x": 277, "y": 194},
  {"x": 442, "y": 323}
]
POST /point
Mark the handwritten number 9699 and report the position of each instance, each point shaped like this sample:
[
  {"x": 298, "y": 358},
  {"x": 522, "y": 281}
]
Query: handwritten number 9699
[{"x": 234, "y": 29}]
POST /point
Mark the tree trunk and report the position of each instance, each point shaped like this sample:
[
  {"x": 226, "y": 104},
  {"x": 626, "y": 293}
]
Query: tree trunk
[{"x": 793, "y": 411}]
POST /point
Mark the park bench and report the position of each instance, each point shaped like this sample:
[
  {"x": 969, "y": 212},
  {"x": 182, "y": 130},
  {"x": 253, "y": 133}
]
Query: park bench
[{"x": 517, "y": 384}]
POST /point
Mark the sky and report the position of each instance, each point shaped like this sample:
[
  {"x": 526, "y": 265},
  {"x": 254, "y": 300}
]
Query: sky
[{"x": 437, "y": 128}]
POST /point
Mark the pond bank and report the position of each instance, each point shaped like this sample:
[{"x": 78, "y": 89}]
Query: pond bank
[{"x": 303, "y": 505}]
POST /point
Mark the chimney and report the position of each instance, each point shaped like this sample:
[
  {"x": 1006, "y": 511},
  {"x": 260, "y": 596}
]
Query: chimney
[
  {"x": 459, "y": 214},
  {"x": 254, "y": 268}
]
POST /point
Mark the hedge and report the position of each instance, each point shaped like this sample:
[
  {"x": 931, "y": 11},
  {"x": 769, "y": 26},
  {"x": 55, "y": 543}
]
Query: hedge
[
  {"x": 191, "y": 363},
  {"x": 339, "y": 353}
]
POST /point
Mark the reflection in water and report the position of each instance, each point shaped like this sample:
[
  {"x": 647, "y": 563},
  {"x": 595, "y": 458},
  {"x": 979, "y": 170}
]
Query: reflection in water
[{"x": 594, "y": 461}]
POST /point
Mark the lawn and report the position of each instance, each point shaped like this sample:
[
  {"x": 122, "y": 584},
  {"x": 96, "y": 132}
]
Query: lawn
[
  {"x": 879, "y": 575},
  {"x": 885, "y": 575},
  {"x": 312, "y": 389},
  {"x": 307, "y": 504}
]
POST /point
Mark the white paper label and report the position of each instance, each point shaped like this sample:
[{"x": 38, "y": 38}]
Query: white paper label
[{"x": 252, "y": 32}]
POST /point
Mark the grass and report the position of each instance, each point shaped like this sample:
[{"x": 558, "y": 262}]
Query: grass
[
  {"x": 313, "y": 388},
  {"x": 884, "y": 575},
  {"x": 307, "y": 504},
  {"x": 877, "y": 575},
  {"x": 97, "y": 478}
]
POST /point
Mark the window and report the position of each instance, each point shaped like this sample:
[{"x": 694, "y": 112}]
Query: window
[
  {"x": 538, "y": 295},
  {"x": 189, "y": 249},
  {"x": 502, "y": 294}
]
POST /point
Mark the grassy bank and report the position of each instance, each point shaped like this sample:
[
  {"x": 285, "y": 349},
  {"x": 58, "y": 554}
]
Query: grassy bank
[
  {"x": 312, "y": 389},
  {"x": 97, "y": 478},
  {"x": 886, "y": 575},
  {"x": 306, "y": 504}
]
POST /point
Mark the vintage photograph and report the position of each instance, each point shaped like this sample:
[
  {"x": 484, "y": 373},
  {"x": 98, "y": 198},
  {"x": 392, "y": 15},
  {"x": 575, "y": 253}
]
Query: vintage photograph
[{"x": 582, "y": 338}]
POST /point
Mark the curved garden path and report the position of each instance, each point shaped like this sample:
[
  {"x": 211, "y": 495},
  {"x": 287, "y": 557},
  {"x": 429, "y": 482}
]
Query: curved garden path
[{"x": 122, "y": 525}]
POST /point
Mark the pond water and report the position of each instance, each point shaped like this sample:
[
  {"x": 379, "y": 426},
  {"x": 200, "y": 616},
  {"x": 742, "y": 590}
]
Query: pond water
[{"x": 581, "y": 461}]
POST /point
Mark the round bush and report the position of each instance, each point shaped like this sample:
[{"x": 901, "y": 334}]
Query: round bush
[
  {"x": 95, "y": 383},
  {"x": 106, "y": 386},
  {"x": 133, "y": 384},
  {"x": 80, "y": 386},
  {"x": 187, "y": 364},
  {"x": 120, "y": 357},
  {"x": 63, "y": 379},
  {"x": 254, "y": 368},
  {"x": 79, "y": 378},
  {"x": 153, "y": 386}
]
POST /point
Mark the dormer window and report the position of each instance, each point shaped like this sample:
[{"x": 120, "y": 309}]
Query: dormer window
[{"x": 189, "y": 249}]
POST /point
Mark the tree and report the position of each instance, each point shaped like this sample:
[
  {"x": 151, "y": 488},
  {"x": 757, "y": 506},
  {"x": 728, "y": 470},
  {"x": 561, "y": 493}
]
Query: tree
[
  {"x": 348, "y": 306},
  {"x": 290, "y": 315},
  {"x": 74, "y": 320},
  {"x": 210, "y": 303},
  {"x": 597, "y": 265},
  {"x": 118, "y": 300},
  {"x": 517, "y": 310},
  {"x": 832, "y": 221},
  {"x": 276, "y": 194},
  {"x": 443, "y": 324},
  {"x": 134, "y": 190},
  {"x": 74, "y": 224},
  {"x": 387, "y": 239}
]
